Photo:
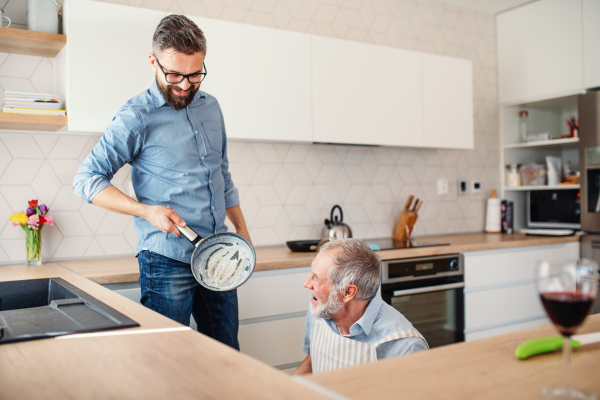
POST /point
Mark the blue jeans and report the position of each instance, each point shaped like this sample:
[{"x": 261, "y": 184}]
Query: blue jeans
[{"x": 169, "y": 288}]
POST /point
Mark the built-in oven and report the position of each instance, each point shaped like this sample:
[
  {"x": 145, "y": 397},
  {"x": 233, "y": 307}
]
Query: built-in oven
[{"x": 429, "y": 292}]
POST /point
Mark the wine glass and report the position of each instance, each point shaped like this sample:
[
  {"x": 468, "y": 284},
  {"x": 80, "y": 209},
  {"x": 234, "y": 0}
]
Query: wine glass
[{"x": 568, "y": 290}]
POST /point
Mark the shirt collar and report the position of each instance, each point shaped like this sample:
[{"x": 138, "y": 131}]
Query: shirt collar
[
  {"x": 368, "y": 318},
  {"x": 159, "y": 100}
]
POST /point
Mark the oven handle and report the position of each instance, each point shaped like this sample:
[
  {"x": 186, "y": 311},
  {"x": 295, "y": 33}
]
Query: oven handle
[{"x": 429, "y": 289}]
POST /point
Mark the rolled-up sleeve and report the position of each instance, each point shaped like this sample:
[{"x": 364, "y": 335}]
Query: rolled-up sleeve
[
  {"x": 119, "y": 145},
  {"x": 232, "y": 197}
]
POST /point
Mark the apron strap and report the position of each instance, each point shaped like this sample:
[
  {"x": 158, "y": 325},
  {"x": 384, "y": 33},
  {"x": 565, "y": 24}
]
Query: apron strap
[{"x": 402, "y": 335}]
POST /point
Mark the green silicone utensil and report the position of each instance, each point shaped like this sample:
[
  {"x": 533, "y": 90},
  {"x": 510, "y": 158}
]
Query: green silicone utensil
[{"x": 542, "y": 345}]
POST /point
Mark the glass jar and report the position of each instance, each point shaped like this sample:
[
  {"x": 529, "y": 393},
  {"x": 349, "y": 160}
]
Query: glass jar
[
  {"x": 513, "y": 176},
  {"x": 523, "y": 125}
]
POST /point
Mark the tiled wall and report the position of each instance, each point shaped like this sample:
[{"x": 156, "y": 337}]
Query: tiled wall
[{"x": 286, "y": 189}]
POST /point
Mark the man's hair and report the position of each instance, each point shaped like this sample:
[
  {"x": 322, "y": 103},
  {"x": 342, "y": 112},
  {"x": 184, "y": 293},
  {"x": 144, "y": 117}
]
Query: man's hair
[
  {"x": 181, "y": 34},
  {"x": 353, "y": 262}
]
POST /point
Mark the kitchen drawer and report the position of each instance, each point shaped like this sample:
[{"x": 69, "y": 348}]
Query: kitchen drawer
[
  {"x": 277, "y": 342},
  {"x": 491, "y": 308},
  {"x": 499, "y": 267},
  {"x": 274, "y": 294},
  {"x": 506, "y": 329}
]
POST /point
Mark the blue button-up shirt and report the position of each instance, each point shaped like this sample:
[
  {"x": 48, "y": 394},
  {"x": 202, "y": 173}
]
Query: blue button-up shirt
[
  {"x": 379, "y": 320},
  {"x": 178, "y": 159}
]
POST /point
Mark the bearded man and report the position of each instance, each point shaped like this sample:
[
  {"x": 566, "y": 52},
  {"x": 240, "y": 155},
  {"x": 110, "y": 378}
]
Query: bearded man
[
  {"x": 173, "y": 136},
  {"x": 348, "y": 323}
]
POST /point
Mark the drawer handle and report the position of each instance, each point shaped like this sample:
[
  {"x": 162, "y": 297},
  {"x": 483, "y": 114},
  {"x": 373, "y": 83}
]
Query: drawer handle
[{"x": 429, "y": 289}]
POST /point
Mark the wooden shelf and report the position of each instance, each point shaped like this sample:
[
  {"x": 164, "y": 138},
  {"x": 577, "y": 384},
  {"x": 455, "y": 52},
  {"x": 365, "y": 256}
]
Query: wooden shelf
[
  {"x": 553, "y": 142},
  {"x": 32, "y": 122},
  {"x": 33, "y": 43},
  {"x": 540, "y": 187}
]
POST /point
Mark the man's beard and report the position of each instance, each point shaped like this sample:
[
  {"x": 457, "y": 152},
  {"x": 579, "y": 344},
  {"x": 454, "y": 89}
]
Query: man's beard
[
  {"x": 328, "y": 309},
  {"x": 175, "y": 101}
]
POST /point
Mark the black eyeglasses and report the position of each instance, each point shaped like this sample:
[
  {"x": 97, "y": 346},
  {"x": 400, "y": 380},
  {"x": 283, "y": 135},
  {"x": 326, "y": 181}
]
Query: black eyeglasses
[{"x": 178, "y": 78}]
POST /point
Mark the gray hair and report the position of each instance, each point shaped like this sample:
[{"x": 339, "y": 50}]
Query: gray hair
[
  {"x": 179, "y": 33},
  {"x": 354, "y": 262}
]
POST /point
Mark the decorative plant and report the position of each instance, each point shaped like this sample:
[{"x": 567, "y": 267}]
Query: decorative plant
[{"x": 32, "y": 221}]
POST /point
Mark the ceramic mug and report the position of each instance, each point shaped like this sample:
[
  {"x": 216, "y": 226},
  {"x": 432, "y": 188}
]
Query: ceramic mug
[{"x": 2, "y": 16}]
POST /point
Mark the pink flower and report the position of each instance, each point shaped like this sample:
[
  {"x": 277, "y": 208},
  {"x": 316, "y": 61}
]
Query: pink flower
[
  {"x": 48, "y": 220},
  {"x": 33, "y": 222}
]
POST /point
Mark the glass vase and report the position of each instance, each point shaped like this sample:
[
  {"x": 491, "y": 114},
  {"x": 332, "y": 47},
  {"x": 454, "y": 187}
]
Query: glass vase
[{"x": 33, "y": 244}]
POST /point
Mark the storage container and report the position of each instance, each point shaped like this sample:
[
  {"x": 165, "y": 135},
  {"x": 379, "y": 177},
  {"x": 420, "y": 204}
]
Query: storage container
[{"x": 533, "y": 174}]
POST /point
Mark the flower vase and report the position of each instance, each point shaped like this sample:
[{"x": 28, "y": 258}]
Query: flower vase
[{"x": 33, "y": 243}]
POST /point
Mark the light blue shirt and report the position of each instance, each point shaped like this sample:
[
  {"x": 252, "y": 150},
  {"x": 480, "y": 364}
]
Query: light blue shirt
[
  {"x": 178, "y": 159},
  {"x": 379, "y": 320}
]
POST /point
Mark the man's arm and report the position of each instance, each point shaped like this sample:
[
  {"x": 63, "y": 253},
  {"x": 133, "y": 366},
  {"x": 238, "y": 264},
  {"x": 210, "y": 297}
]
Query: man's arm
[
  {"x": 237, "y": 219},
  {"x": 305, "y": 367}
]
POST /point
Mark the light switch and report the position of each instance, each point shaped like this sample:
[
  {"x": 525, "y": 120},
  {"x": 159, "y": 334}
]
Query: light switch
[
  {"x": 463, "y": 187},
  {"x": 475, "y": 186},
  {"x": 442, "y": 186}
]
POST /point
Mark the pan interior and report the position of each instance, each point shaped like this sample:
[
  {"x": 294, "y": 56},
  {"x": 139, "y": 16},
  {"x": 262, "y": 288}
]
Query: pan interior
[{"x": 223, "y": 261}]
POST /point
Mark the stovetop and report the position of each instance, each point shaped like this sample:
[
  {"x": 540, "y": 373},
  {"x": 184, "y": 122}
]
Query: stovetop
[{"x": 390, "y": 244}]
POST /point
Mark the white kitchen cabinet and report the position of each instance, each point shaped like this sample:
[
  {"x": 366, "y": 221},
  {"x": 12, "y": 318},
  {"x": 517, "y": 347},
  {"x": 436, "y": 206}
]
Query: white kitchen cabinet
[
  {"x": 261, "y": 78},
  {"x": 105, "y": 61},
  {"x": 447, "y": 102},
  {"x": 591, "y": 43},
  {"x": 366, "y": 94},
  {"x": 500, "y": 291},
  {"x": 540, "y": 51}
]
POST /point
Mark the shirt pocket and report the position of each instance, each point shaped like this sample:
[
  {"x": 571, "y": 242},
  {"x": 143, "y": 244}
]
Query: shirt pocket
[{"x": 213, "y": 132}]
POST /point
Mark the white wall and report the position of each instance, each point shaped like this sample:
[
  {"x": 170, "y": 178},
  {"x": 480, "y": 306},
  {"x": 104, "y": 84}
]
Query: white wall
[{"x": 286, "y": 190}]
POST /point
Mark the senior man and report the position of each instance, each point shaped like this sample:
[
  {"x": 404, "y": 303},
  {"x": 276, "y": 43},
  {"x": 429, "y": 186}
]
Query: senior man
[{"x": 348, "y": 323}]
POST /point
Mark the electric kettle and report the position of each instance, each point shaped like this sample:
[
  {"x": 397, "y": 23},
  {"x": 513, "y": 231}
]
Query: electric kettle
[{"x": 334, "y": 228}]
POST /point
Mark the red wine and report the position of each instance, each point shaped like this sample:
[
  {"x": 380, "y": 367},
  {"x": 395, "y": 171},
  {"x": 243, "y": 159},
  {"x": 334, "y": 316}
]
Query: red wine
[{"x": 567, "y": 310}]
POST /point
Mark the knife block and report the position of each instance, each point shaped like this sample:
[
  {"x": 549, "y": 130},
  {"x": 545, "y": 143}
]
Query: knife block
[{"x": 404, "y": 226}]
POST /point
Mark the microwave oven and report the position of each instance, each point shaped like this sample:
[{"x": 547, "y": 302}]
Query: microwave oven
[{"x": 554, "y": 209}]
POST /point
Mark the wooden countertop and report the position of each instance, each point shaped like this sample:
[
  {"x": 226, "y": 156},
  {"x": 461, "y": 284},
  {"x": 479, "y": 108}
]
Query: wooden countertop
[
  {"x": 139, "y": 363},
  {"x": 125, "y": 269},
  {"x": 482, "y": 369}
]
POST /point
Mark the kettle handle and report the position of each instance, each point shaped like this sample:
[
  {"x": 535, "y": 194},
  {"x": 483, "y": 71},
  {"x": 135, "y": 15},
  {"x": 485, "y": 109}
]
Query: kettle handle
[{"x": 341, "y": 214}]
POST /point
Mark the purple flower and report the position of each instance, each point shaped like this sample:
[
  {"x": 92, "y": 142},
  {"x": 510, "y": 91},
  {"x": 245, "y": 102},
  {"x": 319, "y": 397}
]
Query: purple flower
[
  {"x": 43, "y": 208},
  {"x": 30, "y": 211}
]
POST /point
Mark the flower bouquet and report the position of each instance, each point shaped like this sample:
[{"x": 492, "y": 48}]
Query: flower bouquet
[{"x": 32, "y": 221}]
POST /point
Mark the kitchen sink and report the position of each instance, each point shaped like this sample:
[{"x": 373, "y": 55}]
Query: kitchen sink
[{"x": 43, "y": 308}]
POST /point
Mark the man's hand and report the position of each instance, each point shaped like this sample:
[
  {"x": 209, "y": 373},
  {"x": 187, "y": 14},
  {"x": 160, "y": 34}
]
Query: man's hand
[
  {"x": 164, "y": 218},
  {"x": 305, "y": 367}
]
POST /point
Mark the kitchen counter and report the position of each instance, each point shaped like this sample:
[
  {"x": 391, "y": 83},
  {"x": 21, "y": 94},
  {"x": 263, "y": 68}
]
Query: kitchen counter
[
  {"x": 125, "y": 269},
  {"x": 481, "y": 369},
  {"x": 161, "y": 359}
]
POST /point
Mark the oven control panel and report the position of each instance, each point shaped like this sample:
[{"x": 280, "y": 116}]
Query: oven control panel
[{"x": 421, "y": 268}]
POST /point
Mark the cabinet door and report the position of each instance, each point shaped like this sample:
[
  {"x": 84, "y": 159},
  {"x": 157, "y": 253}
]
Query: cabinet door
[
  {"x": 540, "y": 51},
  {"x": 447, "y": 102},
  {"x": 591, "y": 43},
  {"x": 105, "y": 61},
  {"x": 261, "y": 78},
  {"x": 366, "y": 94}
]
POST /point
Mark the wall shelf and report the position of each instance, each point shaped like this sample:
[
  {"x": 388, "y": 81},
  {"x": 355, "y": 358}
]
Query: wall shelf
[
  {"x": 544, "y": 143},
  {"x": 33, "y": 43},
  {"x": 540, "y": 187},
  {"x": 32, "y": 122}
]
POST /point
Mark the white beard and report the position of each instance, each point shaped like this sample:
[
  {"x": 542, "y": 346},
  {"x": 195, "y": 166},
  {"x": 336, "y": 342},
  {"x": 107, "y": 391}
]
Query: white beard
[{"x": 328, "y": 309}]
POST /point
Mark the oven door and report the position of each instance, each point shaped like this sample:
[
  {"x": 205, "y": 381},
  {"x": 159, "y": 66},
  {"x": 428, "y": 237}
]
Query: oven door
[{"x": 434, "y": 306}]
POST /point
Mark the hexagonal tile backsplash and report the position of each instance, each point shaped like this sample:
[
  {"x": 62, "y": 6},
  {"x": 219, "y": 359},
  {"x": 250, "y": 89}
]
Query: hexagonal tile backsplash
[{"x": 286, "y": 190}]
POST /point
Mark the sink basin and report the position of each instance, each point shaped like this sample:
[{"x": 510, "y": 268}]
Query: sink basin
[{"x": 43, "y": 308}]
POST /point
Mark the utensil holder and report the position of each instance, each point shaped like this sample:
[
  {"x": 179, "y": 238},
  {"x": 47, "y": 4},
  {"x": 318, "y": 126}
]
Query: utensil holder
[{"x": 404, "y": 226}]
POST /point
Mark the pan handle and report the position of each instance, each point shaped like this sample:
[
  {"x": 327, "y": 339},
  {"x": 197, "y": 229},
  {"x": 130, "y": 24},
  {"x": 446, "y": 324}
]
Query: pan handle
[{"x": 189, "y": 234}]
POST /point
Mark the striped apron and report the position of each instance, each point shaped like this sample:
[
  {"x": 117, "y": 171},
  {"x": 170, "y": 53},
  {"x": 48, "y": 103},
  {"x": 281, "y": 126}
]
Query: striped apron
[{"x": 329, "y": 351}]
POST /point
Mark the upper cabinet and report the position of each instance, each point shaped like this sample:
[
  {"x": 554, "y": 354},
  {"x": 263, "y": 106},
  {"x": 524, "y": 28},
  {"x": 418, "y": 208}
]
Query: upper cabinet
[
  {"x": 105, "y": 61},
  {"x": 366, "y": 94},
  {"x": 540, "y": 51},
  {"x": 261, "y": 80},
  {"x": 591, "y": 43},
  {"x": 447, "y": 102}
]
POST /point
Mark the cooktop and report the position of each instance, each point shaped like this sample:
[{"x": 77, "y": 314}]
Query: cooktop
[{"x": 390, "y": 244}]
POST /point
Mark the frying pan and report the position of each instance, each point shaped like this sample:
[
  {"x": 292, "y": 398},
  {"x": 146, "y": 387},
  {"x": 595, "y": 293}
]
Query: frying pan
[
  {"x": 220, "y": 262},
  {"x": 305, "y": 246}
]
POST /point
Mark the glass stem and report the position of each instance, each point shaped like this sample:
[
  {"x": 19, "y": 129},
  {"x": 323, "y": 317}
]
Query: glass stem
[{"x": 567, "y": 349}]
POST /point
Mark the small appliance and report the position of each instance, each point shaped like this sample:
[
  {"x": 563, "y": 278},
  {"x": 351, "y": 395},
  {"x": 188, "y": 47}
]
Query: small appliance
[{"x": 554, "y": 209}]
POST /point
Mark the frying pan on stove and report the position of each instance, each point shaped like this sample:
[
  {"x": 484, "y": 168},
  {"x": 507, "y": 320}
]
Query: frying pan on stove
[{"x": 220, "y": 262}]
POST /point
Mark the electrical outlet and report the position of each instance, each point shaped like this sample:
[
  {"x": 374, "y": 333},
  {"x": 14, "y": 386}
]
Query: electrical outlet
[
  {"x": 475, "y": 186},
  {"x": 463, "y": 187},
  {"x": 442, "y": 186}
]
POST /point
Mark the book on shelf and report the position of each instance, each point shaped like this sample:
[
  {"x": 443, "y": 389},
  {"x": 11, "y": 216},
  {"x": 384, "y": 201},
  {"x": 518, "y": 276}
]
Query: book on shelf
[
  {"x": 25, "y": 95},
  {"x": 46, "y": 106},
  {"x": 37, "y": 111}
]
